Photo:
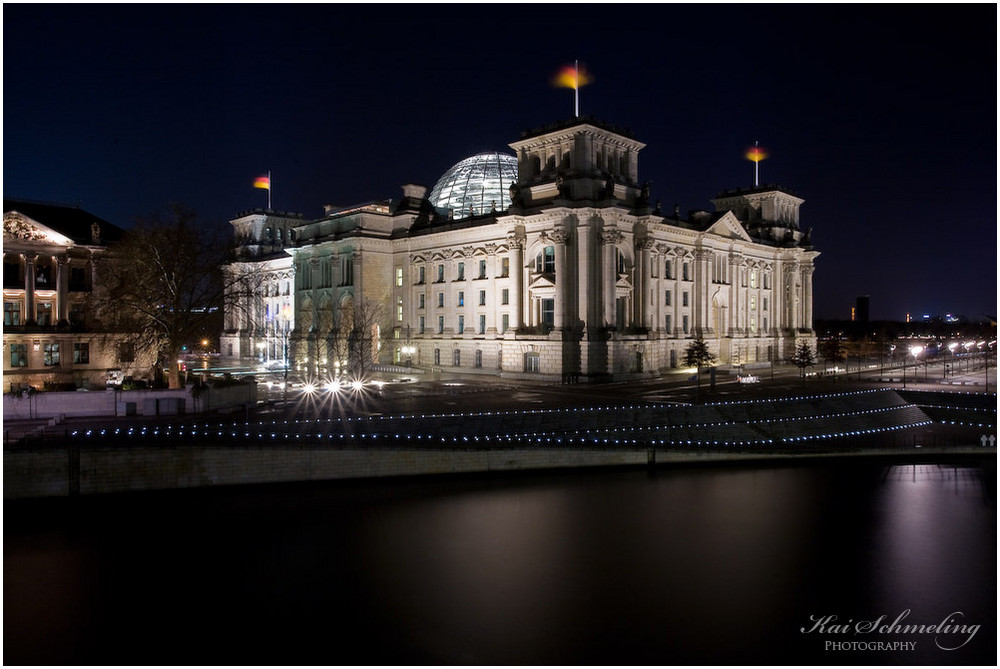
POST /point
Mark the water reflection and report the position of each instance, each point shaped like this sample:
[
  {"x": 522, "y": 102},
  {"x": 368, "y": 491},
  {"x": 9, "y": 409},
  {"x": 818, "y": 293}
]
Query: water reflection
[{"x": 715, "y": 565}]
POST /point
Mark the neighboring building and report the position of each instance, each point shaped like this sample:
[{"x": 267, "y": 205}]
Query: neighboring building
[
  {"x": 579, "y": 277},
  {"x": 50, "y": 335},
  {"x": 259, "y": 316}
]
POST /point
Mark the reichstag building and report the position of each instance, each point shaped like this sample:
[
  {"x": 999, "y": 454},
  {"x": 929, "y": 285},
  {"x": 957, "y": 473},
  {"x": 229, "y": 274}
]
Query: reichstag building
[{"x": 551, "y": 262}]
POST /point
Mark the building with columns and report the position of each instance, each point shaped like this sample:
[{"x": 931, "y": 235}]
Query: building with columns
[
  {"x": 579, "y": 277},
  {"x": 50, "y": 335}
]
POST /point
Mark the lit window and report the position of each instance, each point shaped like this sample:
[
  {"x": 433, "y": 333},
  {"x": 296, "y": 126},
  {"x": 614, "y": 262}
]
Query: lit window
[
  {"x": 50, "y": 355},
  {"x": 504, "y": 267},
  {"x": 11, "y": 313},
  {"x": 461, "y": 298},
  {"x": 399, "y": 276}
]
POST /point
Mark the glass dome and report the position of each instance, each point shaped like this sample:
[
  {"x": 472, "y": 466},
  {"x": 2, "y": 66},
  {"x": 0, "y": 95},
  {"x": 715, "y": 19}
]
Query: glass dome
[{"x": 472, "y": 186}]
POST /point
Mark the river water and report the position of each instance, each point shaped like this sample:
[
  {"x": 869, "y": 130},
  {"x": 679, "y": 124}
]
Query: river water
[{"x": 689, "y": 565}]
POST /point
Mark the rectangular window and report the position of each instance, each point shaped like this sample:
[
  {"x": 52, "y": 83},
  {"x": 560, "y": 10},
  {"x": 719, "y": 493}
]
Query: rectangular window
[
  {"x": 668, "y": 272},
  {"x": 532, "y": 362},
  {"x": 77, "y": 279},
  {"x": 440, "y": 299},
  {"x": 440, "y": 273},
  {"x": 11, "y": 313},
  {"x": 753, "y": 279},
  {"x": 505, "y": 267},
  {"x": 765, "y": 303},
  {"x": 753, "y": 324},
  {"x": 668, "y": 324},
  {"x": 77, "y": 313},
  {"x": 653, "y": 269},
  {"x": 420, "y": 274},
  {"x": 753, "y": 303},
  {"x": 504, "y": 322},
  {"x": 479, "y": 359},
  {"x": 437, "y": 356},
  {"x": 461, "y": 324},
  {"x": 686, "y": 273},
  {"x": 482, "y": 298},
  {"x": 482, "y": 323},
  {"x": 421, "y": 325},
  {"x": 126, "y": 352},
  {"x": 440, "y": 324},
  {"x": 43, "y": 313},
  {"x": 461, "y": 271},
  {"x": 461, "y": 298},
  {"x": 347, "y": 271},
  {"x": 18, "y": 355},
  {"x": 482, "y": 269},
  {"x": 81, "y": 353},
  {"x": 12, "y": 275},
  {"x": 687, "y": 328},
  {"x": 549, "y": 312},
  {"x": 457, "y": 358},
  {"x": 399, "y": 276},
  {"x": 50, "y": 355},
  {"x": 505, "y": 296},
  {"x": 420, "y": 300},
  {"x": 667, "y": 298},
  {"x": 684, "y": 299},
  {"x": 765, "y": 324},
  {"x": 399, "y": 312}
]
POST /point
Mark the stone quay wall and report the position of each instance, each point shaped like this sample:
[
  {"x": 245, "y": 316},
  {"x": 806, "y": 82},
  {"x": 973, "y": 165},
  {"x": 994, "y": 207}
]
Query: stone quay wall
[{"x": 48, "y": 472}]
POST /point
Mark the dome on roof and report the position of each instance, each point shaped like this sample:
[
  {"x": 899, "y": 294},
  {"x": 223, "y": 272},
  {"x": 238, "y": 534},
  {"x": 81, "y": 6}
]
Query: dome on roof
[{"x": 475, "y": 184}]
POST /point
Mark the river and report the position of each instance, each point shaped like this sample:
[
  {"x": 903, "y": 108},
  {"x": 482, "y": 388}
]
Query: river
[{"x": 751, "y": 564}]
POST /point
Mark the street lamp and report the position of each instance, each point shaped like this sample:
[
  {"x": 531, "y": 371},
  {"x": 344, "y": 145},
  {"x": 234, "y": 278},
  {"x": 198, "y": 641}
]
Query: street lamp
[{"x": 914, "y": 351}]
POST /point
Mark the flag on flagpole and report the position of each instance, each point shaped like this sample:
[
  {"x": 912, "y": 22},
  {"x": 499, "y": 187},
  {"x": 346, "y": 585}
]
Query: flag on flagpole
[
  {"x": 756, "y": 154},
  {"x": 262, "y": 182},
  {"x": 573, "y": 77}
]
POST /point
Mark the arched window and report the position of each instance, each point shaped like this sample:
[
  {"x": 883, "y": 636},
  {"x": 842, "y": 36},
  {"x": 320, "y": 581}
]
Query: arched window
[{"x": 545, "y": 261}]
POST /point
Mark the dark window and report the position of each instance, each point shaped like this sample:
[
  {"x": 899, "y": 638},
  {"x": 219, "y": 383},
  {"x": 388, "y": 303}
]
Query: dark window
[
  {"x": 126, "y": 352},
  {"x": 18, "y": 355},
  {"x": 77, "y": 278},
  {"x": 12, "y": 275},
  {"x": 81, "y": 353},
  {"x": 11, "y": 313}
]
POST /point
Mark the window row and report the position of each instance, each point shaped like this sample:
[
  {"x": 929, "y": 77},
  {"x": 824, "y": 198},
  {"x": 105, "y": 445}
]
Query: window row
[
  {"x": 460, "y": 324},
  {"x": 51, "y": 353},
  {"x": 460, "y": 275}
]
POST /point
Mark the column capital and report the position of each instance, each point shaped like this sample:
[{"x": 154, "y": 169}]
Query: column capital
[
  {"x": 558, "y": 236},
  {"x": 611, "y": 236}
]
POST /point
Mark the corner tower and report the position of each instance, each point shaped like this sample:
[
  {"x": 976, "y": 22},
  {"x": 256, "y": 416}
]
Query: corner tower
[{"x": 579, "y": 162}]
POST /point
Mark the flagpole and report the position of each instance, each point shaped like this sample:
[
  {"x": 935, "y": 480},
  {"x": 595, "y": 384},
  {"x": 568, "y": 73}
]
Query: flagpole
[
  {"x": 576, "y": 87},
  {"x": 269, "y": 190},
  {"x": 756, "y": 168}
]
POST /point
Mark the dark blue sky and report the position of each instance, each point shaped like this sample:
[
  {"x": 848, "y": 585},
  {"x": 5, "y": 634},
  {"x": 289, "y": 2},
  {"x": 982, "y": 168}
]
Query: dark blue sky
[{"x": 883, "y": 118}]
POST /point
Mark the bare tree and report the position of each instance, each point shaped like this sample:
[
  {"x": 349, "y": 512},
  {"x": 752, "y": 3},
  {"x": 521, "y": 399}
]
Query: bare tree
[{"x": 164, "y": 285}]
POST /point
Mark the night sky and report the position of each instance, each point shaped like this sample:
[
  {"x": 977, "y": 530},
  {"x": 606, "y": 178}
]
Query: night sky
[{"x": 882, "y": 118}]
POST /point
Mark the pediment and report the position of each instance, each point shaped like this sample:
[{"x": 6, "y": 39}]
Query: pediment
[
  {"x": 537, "y": 281},
  {"x": 17, "y": 226},
  {"x": 730, "y": 227}
]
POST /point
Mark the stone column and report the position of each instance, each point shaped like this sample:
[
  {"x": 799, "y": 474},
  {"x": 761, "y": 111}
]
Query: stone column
[
  {"x": 807, "y": 302},
  {"x": 29, "y": 287},
  {"x": 584, "y": 292},
  {"x": 62, "y": 290},
  {"x": 516, "y": 245},
  {"x": 559, "y": 238},
  {"x": 610, "y": 239},
  {"x": 642, "y": 282}
]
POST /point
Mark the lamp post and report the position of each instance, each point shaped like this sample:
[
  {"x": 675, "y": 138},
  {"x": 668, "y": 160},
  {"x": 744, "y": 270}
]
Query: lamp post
[{"x": 915, "y": 352}]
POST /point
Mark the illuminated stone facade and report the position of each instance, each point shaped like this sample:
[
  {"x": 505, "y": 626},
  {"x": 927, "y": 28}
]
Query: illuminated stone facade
[
  {"x": 582, "y": 277},
  {"x": 50, "y": 334}
]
